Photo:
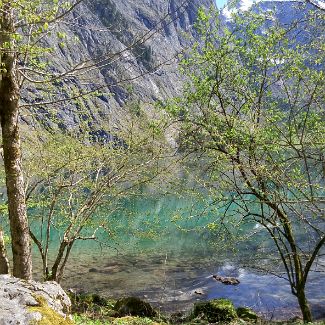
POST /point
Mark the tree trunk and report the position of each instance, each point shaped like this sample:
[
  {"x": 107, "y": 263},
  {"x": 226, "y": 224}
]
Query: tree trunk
[
  {"x": 54, "y": 271},
  {"x": 9, "y": 109},
  {"x": 304, "y": 306},
  {"x": 4, "y": 263}
]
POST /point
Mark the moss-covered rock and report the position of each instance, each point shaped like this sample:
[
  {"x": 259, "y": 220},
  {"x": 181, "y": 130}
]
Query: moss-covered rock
[
  {"x": 91, "y": 299},
  {"x": 216, "y": 310},
  {"x": 48, "y": 315},
  {"x": 178, "y": 318},
  {"x": 133, "y": 306},
  {"x": 246, "y": 314},
  {"x": 93, "y": 304},
  {"x": 31, "y": 302}
]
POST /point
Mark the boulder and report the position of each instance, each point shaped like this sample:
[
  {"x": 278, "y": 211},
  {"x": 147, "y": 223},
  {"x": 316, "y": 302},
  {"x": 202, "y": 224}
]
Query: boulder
[
  {"x": 178, "y": 317},
  {"x": 30, "y": 302},
  {"x": 246, "y": 314},
  {"x": 226, "y": 280},
  {"x": 133, "y": 306},
  {"x": 216, "y": 310},
  {"x": 93, "y": 304}
]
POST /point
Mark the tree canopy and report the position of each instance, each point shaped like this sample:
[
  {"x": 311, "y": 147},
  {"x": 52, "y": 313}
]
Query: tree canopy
[{"x": 253, "y": 111}]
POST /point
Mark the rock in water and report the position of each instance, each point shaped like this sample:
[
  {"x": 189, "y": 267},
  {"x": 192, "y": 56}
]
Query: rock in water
[
  {"x": 30, "y": 302},
  {"x": 226, "y": 280}
]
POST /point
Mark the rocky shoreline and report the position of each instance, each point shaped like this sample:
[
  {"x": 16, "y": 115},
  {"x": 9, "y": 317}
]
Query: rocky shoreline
[
  {"x": 31, "y": 302},
  {"x": 94, "y": 309},
  {"x": 88, "y": 308},
  {"x": 108, "y": 311}
]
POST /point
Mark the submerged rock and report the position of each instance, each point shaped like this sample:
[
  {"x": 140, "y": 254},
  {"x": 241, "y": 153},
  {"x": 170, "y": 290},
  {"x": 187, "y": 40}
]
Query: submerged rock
[
  {"x": 216, "y": 310},
  {"x": 30, "y": 302},
  {"x": 135, "y": 307}
]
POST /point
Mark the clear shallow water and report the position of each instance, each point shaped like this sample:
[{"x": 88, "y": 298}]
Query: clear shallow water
[{"x": 150, "y": 257}]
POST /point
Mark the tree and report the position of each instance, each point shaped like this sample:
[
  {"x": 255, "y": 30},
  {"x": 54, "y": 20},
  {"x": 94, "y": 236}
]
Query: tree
[
  {"x": 25, "y": 61},
  {"x": 317, "y": 4},
  {"x": 9, "y": 110},
  {"x": 4, "y": 263},
  {"x": 254, "y": 110},
  {"x": 74, "y": 184}
]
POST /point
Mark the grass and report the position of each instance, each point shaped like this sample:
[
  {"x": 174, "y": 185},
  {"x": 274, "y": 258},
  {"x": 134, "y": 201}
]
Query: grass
[{"x": 84, "y": 320}]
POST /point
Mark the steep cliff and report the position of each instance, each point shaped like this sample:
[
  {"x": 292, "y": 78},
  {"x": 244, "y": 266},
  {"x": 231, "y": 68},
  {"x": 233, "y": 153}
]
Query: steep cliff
[{"x": 125, "y": 49}]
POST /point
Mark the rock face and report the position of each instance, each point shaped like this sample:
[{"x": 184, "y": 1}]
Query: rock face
[
  {"x": 29, "y": 302},
  {"x": 128, "y": 52},
  {"x": 125, "y": 49}
]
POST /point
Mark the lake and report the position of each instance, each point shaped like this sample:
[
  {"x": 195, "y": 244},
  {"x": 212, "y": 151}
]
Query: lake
[{"x": 163, "y": 250}]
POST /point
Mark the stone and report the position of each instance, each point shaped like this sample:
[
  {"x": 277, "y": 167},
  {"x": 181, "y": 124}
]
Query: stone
[
  {"x": 178, "y": 317},
  {"x": 93, "y": 304},
  {"x": 133, "y": 306},
  {"x": 31, "y": 302},
  {"x": 226, "y": 280},
  {"x": 216, "y": 310},
  {"x": 246, "y": 314}
]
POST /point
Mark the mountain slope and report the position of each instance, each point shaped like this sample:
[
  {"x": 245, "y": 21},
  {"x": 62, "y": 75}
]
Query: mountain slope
[{"x": 135, "y": 41}]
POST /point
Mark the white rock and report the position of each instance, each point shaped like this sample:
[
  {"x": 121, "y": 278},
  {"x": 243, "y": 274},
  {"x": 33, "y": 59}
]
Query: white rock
[{"x": 16, "y": 296}]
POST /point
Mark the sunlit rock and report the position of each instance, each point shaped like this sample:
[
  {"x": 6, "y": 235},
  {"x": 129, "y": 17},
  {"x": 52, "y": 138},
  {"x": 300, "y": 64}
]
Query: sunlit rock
[
  {"x": 216, "y": 310},
  {"x": 30, "y": 302}
]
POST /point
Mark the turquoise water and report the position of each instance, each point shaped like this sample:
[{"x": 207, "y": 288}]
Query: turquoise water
[{"x": 166, "y": 250}]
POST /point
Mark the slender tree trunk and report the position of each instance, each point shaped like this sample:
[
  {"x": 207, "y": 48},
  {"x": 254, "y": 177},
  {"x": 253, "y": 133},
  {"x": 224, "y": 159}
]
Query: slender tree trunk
[
  {"x": 38, "y": 243},
  {"x": 4, "y": 262},
  {"x": 304, "y": 306},
  {"x": 289, "y": 235},
  {"x": 55, "y": 268},
  {"x": 9, "y": 109}
]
